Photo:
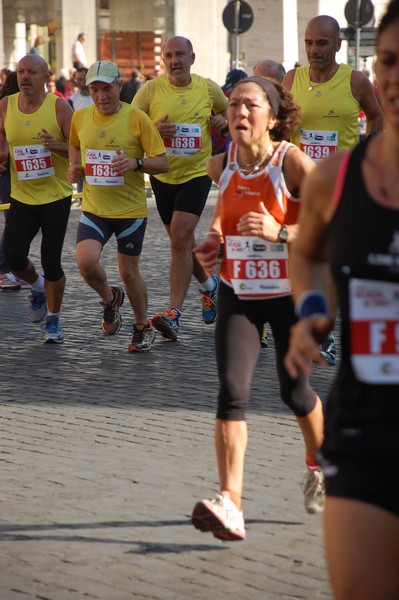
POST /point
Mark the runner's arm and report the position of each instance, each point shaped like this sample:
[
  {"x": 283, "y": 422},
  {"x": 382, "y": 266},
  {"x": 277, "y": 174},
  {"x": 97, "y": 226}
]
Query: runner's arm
[{"x": 3, "y": 139}]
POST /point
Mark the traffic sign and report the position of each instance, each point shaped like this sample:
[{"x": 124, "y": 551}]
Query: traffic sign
[
  {"x": 356, "y": 17},
  {"x": 237, "y": 16}
]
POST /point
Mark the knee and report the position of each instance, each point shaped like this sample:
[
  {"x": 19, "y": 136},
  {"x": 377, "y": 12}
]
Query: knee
[
  {"x": 52, "y": 271},
  {"x": 85, "y": 265},
  {"x": 130, "y": 277},
  {"x": 180, "y": 241},
  {"x": 232, "y": 403},
  {"x": 15, "y": 260},
  {"x": 300, "y": 398}
]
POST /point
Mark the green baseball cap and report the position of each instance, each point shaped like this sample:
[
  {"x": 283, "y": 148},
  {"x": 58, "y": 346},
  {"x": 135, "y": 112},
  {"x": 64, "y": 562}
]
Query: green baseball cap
[{"x": 102, "y": 70}]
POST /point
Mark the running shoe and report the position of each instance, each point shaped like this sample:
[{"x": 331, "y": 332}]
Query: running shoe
[
  {"x": 8, "y": 281},
  {"x": 167, "y": 323},
  {"x": 143, "y": 339},
  {"x": 264, "y": 343},
  {"x": 208, "y": 300},
  {"x": 24, "y": 284},
  {"x": 53, "y": 333},
  {"x": 221, "y": 517},
  {"x": 327, "y": 349},
  {"x": 112, "y": 320},
  {"x": 37, "y": 309},
  {"x": 314, "y": 491}
]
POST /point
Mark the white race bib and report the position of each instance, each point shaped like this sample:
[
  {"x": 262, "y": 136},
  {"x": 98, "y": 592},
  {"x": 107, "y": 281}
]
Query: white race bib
[
  {"x": 33, "y": 162},
  {"x": 374, "y": 316},
  {"x": 99, "y": 170},
  {"x": 257, "y": 268},
  {"x": 318, "y": 144},
  {"x": 186, "y": 141}
]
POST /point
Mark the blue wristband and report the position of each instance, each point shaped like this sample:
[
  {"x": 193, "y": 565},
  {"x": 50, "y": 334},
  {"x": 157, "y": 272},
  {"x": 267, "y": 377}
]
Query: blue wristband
[{"x": 311, "y": 303}]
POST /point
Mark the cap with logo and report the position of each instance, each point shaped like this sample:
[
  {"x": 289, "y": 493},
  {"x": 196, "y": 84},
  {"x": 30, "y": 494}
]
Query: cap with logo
[{"x": 102, "y": 70}]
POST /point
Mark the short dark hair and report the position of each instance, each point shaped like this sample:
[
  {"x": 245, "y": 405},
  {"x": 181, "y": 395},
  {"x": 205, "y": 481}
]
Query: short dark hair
[{"x": 391, "y": 15}]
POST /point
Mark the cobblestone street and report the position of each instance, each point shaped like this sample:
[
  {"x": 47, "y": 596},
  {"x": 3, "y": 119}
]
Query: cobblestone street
[{"x": 104, "y": 454}]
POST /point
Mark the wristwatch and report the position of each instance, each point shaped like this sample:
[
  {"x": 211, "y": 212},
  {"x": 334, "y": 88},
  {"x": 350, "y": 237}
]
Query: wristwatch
[
  {"x": 140, "y": 163},
  {"x": 283, "y": 234}
]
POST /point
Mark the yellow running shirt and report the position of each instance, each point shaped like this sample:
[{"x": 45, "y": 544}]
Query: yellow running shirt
[
  {"x": 189, "y": 108},
  {"x": 99, "y": 136},
  {"x": 329, "y": 113},
  {"x": 38, "y": 176}
]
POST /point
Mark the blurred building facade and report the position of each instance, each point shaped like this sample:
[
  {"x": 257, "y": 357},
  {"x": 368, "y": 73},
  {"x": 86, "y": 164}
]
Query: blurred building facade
[{"x": 131, "y": 32}]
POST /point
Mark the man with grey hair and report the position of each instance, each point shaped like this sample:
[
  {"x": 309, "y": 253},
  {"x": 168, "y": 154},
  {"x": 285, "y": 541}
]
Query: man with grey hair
[
  {"x": 112, "y": 144},
  {"x": 270, "y": 68}
]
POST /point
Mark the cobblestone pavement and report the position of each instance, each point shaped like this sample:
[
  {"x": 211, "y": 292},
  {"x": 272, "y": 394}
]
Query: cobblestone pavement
[{"x": 104, "y": 453}]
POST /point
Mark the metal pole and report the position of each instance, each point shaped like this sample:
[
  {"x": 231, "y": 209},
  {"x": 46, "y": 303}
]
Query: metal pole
[
  {"x": 357, "y": 24},
  {"x": 236, "y": 29}
]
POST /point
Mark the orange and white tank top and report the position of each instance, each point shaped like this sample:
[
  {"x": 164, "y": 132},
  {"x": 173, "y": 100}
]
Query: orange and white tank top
[{"x": 254, "y": 267}]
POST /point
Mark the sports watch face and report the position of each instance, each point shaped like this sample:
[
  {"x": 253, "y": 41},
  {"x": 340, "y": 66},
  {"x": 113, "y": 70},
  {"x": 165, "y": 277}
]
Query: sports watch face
[{"x": 283, "y": 234}]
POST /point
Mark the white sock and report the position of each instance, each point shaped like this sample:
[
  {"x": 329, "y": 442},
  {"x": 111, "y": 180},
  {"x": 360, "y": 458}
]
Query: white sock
[
  {"x": 208, "y": 285},
  {"x": 38, "y": 285},
  {"x": 50, "y": 314}
]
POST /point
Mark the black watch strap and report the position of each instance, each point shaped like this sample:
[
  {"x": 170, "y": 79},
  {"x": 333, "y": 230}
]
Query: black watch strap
[
  {"x": 140, "y": 164},
  {"x": 283, "y": 234}
]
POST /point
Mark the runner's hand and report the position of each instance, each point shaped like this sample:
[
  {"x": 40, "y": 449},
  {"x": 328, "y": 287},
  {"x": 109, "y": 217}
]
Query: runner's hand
[
  {"x": 207, "y": 253},
  {"x": 304, "y": 348},
  {"x": 167, "y": 130}
]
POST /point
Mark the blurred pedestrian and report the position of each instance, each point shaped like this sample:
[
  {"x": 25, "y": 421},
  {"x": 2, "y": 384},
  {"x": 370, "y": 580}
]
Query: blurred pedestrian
[
  {"x": 8, "y": 281},
  {"x": 131, "y": 87},
  {"x": 81, "y": 97},
  {"x": 39, "y": 41},
  {"x": 79, "y": 58},
  {"x": 270, "y": 68}
]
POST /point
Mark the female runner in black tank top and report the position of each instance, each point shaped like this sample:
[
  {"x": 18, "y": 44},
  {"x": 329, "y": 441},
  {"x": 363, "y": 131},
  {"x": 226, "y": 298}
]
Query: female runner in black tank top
[{"x": 350, "y": 222}]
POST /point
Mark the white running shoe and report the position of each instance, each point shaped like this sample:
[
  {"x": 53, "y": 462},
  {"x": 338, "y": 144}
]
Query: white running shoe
[
  {"x": 37, "y": 306},
  {"x": 314, "y": 491},
  {"x": 52, "y": 329},
  {"x": 221, "y": 517},
  {"x": 8, "y": 281}
]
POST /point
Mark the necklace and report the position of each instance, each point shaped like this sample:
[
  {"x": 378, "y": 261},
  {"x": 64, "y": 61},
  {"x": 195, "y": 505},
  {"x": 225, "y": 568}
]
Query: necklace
[
  {"x": 330, "y": 74},
  {"x": 254, "y": 167}
]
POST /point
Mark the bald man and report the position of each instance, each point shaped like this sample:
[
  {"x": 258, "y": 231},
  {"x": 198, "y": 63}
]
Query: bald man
[
  {"x": 35, "y": 125},
  {"x": 330, "y": 94},
  {"x": 181, "y": 105}
]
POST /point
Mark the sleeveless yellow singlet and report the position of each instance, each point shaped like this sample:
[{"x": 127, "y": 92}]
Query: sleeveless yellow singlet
[{"x": 38, "y": 176}]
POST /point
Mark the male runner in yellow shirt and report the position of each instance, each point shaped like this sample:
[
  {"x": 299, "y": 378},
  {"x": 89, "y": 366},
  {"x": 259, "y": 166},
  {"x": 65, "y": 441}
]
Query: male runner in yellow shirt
[
  {"x": 330, "y": 96},
  {"x": 35, "y": 125},
  {"x": 181, "y": 105},
  {"x": 108, "y": 142}
]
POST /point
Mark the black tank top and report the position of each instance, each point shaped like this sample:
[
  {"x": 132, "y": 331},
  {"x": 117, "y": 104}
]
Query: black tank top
[{"x": 363, "y": 241}]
